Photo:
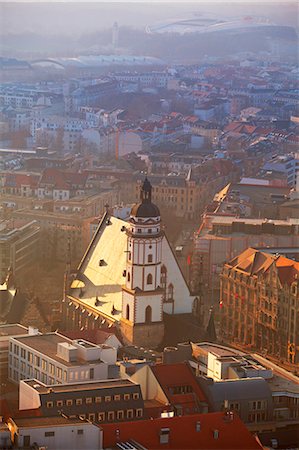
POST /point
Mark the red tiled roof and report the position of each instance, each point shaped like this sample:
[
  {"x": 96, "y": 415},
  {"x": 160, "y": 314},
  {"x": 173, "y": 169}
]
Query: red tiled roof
[
  {"x": 63, "y": 180},
  {"x": 288, "y": 270},
  {"x": 19, "y": 179},
  {"x": 232, "y": 434},
  {"x": 175, "y": 375},
  {"x": 94, "y": 336}
]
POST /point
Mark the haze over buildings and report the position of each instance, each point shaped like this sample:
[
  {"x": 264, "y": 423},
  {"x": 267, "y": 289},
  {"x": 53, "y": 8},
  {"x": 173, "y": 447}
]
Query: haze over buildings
[{"x": 149, "y": 225}]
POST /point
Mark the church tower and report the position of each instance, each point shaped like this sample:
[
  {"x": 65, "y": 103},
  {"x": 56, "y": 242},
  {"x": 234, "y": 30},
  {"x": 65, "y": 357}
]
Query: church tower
[{"x": 142, "y": 295}]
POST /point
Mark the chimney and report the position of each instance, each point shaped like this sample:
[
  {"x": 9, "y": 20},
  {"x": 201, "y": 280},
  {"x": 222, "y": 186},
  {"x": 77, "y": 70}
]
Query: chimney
[{"x": 32, "y": 331}]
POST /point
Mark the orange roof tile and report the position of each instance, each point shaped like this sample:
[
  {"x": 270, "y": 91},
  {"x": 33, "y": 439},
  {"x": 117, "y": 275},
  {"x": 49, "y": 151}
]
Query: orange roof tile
[{"x": 183, "y": 434}]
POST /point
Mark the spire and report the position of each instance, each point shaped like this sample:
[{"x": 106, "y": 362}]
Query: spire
[
  {"x": 146, "y": 191},
  {"x": 211, "y": 331}
]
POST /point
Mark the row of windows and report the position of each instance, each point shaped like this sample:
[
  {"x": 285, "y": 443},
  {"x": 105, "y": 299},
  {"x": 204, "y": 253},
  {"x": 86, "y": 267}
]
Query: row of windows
[
  {"x": 52, "y": 433},
  {"x": 90, "y": 400},
  {"x": 113, "y": 415}
]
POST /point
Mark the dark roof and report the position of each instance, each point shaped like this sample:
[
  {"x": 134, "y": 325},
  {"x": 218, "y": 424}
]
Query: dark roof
[{"x": 145, "y": 210}]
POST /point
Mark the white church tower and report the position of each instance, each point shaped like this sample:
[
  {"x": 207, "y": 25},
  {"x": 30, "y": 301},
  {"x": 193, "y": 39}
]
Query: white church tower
[{"x": 142, "y": 295}]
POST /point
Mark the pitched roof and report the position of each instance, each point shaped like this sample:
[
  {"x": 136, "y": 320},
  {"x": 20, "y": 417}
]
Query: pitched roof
[
  {"x": 254, "y": 262},
  {"x": 170, "y": 376},
  {"x": 63, "y": 180},
  {"x": 183, "y": 434}
]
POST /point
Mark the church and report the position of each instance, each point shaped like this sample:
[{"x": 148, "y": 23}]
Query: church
[{"x": 128, "y": 278}]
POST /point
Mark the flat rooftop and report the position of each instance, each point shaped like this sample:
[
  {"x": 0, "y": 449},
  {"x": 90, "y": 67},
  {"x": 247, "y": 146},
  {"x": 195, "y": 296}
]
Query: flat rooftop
[
  {"x": 72, "y": 387},
  {"x": 218, "y": 350},
  {"x": 14, "y": 329},
  {"x": 47, "y": 344},
  {"x": 39, "y": 422}
]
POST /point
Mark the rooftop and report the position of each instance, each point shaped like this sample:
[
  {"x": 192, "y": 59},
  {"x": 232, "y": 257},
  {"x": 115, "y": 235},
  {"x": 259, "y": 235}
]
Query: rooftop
[
  {"x": 12, "y": 330},
  {"x": 47, "y": 344},
  {"x": 198, "y": 431},
  {"x": 40, "y": 422},
  {"x": 72, "y": 387}
]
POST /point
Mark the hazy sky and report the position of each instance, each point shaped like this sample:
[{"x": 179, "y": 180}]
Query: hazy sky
[{"x": 74, "y": 17}]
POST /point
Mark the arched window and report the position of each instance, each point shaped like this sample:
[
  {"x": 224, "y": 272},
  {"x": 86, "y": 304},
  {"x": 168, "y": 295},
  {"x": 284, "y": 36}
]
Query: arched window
[
  {"x": 163, "y": 277},
  {"x": 170, "y": 292},
  {"x": 128, "y": 312},
  {"x": 148, "y": 314},
  {"x": 149, "y": 279},
  {"x": 129, "y": 276}
]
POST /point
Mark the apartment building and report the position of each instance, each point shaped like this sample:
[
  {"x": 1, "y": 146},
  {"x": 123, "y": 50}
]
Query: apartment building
[
  {"x": 18, "y": 247},
  {"x": 54, "y": 359},
  {"x": 98, "y": 401},
  {"x": 259, "y": 300},
  {"x": 221, "y": 237}
]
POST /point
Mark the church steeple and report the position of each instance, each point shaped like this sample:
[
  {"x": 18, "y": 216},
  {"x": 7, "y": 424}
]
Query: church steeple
[{"x": 146, "y": 191}]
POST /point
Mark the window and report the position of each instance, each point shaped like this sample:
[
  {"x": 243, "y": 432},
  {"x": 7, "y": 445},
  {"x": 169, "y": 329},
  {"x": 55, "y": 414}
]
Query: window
[
  {"x": 129, "y": 413},
  {"x": 128, "y": 312},
  {"x": 78, "y": 401},
  {"x": 163, "y": 277},
  {"x": 101, "y": 416},
  {"x": 164, "y": 435},
  {"x": 139, "y": 412},
  {"x": 91, "y": 373},
  {"x": 88, "y": 400},
  {"x": 117, "y": 398},
  {"x": 148, "y": 314},
  {"x": 135, "y": 396},
  {"x": 23, "y": 353},
  {"x": 126, "y": 396},
  {"x": 69, "y": 402},
  {"x": 170, "y": 292},
  {"x": 129, "y": 277},
  {"x": 108, "y": 398},
  {"x": 80, "y": 431},
  {"x": 111, "y": 415},
  {"x": 149, "y": 279},
  {"x": 49, "y": 433},
  {"x": 92, "y": 417},
  {"x": 150, "y": 258},
  {"x": 37, "y": 361},
  {"x": 49, "y": 404},
  {"x": 59, "y": 403},
  {"x": 44, "y": 364},
  {"x": 98, "y": 399},
  {"x": 120, "y": 415}
]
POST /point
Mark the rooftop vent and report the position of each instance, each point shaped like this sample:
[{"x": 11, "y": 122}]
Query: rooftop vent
[
  {"x": 108, "y": 222},
  {"x": 101, "y": 262},
  {"x": 164, "y": 435},
  {"x": 123, "y": 228}
]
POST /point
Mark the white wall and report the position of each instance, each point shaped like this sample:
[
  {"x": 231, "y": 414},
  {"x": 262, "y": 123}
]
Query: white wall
[
  {"x": 182, "y": 299},
  {"x": 66, "y": 437},
  {"x": 150, "y": 388},
  {"x": 154, "y": 301},
  {"x": 28, "y": 396}
]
